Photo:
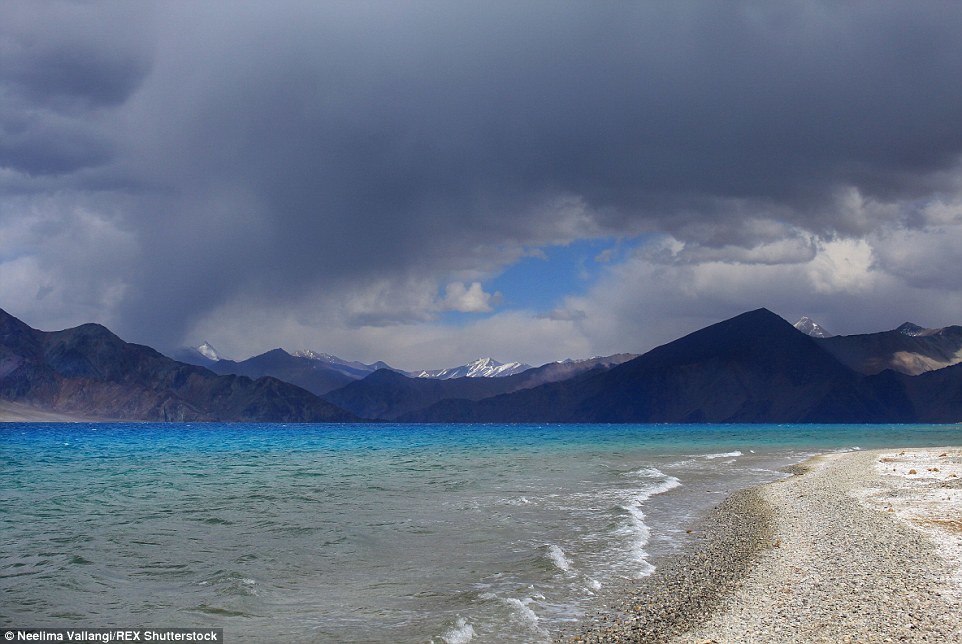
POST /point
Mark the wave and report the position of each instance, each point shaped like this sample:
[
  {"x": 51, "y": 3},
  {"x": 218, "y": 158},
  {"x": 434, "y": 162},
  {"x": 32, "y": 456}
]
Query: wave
[
  {"x": 518, "y": 501},
  {"x": 637, "y": 528},
  {"x": 710, "y": 457},
  {"x": 557, "y": 556},
  {"x": 667, "y": 482},
  {"x": 226, "y": 582},
  {"x": 460, "y": 633},
  {"x": 521, "y": 613}
]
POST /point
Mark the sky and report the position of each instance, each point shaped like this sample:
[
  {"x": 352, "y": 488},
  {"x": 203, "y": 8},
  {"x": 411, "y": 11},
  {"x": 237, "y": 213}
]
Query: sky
[{"x": 426, "y": 183}]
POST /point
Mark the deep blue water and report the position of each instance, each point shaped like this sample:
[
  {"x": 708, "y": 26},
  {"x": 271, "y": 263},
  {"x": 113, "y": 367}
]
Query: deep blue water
[{"x": 383, "y": 533}]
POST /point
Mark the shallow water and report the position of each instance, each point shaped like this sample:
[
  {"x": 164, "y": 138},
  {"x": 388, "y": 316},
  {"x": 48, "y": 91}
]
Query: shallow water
[{"x": 357, "y": 533}]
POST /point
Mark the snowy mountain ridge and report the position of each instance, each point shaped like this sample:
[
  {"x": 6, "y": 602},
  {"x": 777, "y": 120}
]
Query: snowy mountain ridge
[
  {"x": 208, "y": 351},
  {"x": 808, "y": 326},
  {"x": 480, "y": 368},
  {"x": 341, "y": 362}
]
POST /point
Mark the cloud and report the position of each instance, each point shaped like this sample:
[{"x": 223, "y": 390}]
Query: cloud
[
  {"x": 468, "y": 299},
  {"x": 328, "y": 169},
  {"x": 564, "y": 315},
  {"x": 850, "y": 285},
  {"x": 924, "y": 259},
  {"x": 81, "y": 265}
]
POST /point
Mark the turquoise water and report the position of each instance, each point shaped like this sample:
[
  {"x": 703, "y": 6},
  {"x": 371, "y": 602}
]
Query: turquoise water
[{"x": 366, "y": 533}]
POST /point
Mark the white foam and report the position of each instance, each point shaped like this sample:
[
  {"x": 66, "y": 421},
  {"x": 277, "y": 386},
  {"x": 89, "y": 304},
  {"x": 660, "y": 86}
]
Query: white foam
[
  {"x": 722, "y": 455},
  {"x": 558, "y": 558},
  {"x": 668, "y": 482},
  {"x": 641, "y": 534},
  {"x": 460, "y": 633},
  {"x": 523, "y": 614},
  {"x": 647, "y": 472},
  {"x": 637, "y": 528}
]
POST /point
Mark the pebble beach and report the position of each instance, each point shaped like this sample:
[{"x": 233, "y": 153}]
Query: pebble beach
[{"x": 861, "y": 546}]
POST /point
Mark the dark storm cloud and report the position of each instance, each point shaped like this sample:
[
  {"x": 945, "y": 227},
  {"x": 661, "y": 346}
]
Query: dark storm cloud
[
  {"x": 68, "y": 76},
  {"x": 51, "y": 146},
  {"x": 62, "y": 64},
  {"x": 309, "y": 149},
  {"x": 459, "y": 116}
]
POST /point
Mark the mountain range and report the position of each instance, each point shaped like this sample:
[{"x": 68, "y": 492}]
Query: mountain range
[
  {"x": 755, "y": 367},
  {"x": 89, "y": 372},
  {"x": 480, "y": 368},
  {"x": 321, "y": 373}
]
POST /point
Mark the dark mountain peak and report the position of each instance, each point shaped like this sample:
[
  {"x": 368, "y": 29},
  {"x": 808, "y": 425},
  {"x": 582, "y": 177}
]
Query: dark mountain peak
[
  {"x": 749, "y": 334},
  {"x": 385, "y": 375},
  {"x": 744, "y": 327},
  {"x": 910, "y": 328},
  {"x": 11, "y": 327},
  {"x": 90, "y": 332},
  {"x": 762, "y": 318},
  {"x": 17, "y": 340},
  {"x": 264, "y": 362},
  {"x": 8, "y": 321}
]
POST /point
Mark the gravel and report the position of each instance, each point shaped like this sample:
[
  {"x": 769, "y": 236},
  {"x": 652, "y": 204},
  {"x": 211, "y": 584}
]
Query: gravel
[{"x": 799, "y": 560}]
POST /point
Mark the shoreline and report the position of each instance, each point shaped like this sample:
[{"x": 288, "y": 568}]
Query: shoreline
[
  {"x": 15, "y": 412},
  {"x": 858, "y": 546}
]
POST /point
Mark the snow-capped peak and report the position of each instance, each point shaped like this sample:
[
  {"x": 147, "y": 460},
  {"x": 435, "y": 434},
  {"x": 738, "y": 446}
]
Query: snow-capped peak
[
  {"x": 808, "y": 326},
  {"x": 480, "y": 368},
  {"x": 208, "y": 352}
]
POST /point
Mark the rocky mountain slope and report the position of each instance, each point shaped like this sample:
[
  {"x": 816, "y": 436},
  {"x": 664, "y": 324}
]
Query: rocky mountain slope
[
  {"x": 909, "y": 349},
  {"x": 89, "y": 371}
]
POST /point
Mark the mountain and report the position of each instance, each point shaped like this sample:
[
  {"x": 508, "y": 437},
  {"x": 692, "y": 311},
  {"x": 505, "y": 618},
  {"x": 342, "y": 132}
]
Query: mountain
[
  {"x": 480, "y": 368},
  {"x": 909, "y": 349},
  {"x": 209, "y": 352},
  {"x": 88, "y": 371},
  {"x": 356, "y": 370},
  {"x": 316, "y": 376},
  {"x": 313, "y": 370},
  {"x": 808, "y": 326},
  {"x": 912, "y": 329},
  {"x": 319, "y": 373},
  {"x": 203, "y": 355},
  {"x": 564, "y": 369},
  {"x": 752, "y": 368},
  {"x": 389, "y": 395},
  {"x": 936, "y": 396}
]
